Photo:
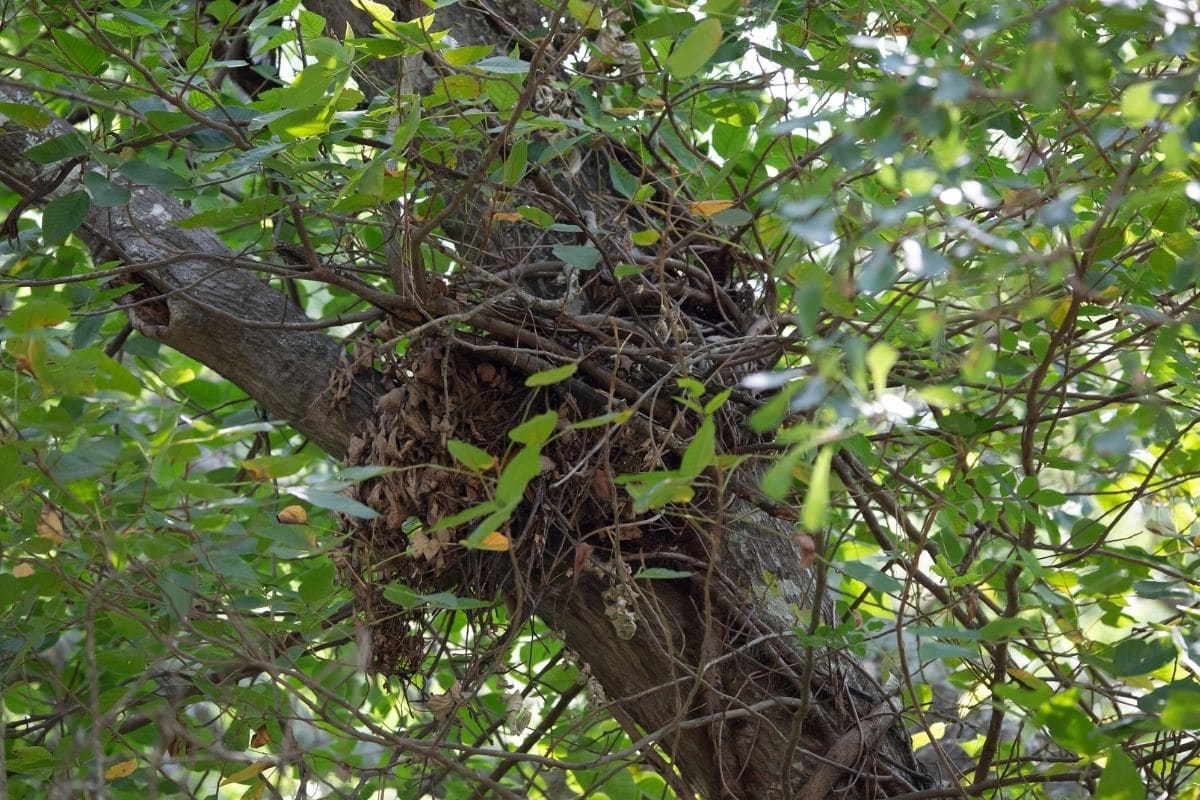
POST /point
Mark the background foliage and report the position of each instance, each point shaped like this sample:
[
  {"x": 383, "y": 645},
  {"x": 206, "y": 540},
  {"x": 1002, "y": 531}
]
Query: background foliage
[{"x": 977, "y": 220}]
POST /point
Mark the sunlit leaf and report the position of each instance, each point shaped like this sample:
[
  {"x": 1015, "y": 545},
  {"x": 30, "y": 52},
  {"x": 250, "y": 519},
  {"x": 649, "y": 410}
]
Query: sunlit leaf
[
  {"x": 549, "y": 377},
  {"x": 694, "y": 51}
]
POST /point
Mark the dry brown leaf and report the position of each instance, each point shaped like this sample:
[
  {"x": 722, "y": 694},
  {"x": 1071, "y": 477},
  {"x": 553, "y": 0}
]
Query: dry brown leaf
[
  {"x": 808, "y": 547},
  {"x": 50, "y": 524},
  {"x": 292, "y": 515},
  {"x": 506, "y": 216},
  {"x": 443, "y": 704},
  {"x": 706, "y": 208},
  {"x": 22, "y": 570},
  {"x": 424, "y": 546},
  {"x": 261, "y": 737}
]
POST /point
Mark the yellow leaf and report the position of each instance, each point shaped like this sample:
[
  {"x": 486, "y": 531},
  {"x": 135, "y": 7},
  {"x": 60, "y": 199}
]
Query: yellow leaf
[
  {"x": 248, "y": 772},
  {"x": 50, "y": 524},
  {"x": 292, "y": 515},
  {"x": 122, "y": 769},
  {"x": 495, "y": 541},
  {"x": 256, "y": 472},
  {"x": 506, "y": 216},
  {"x": 22, "y": 570},
  {"x": 706, "y": 208},
  {"x": 255, "y": 792},
  {"x": 1059, "y": 312}
]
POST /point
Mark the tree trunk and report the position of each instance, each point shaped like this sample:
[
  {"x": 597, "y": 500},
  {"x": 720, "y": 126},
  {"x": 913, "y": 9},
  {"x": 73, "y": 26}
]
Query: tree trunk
[{"x": 708, "y": 667}]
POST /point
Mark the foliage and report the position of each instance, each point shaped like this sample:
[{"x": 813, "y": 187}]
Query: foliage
[{"x": 974, "y": 224}]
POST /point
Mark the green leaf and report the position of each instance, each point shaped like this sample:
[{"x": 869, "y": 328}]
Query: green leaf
[
  {"x": 696, "y": 49},
  {"x": 318, "y": 585},
  {"x": 27, "y": 760},
  {"x": 622, "y": 179},
  {"x": 63, "y": 146},
  {"x": 198, "y": 58},
  {"x": 1181, "y": 712},
  {"x": 517, "y": 473},
  {"x": 874, "y": 579},
  {"x": 815, "y": 513},
  {"x": 536, "y": 215},
  {"x": 63, "y": 215},
  {"x": 470, "y": 456},
  {"x": 304, "y": 122},
  {"x": 503, "y": 65},
  {"x": 273, "y": 467},
  {"x": 651, "y": 490},
  {"x": 110, "y": 375},
  {"x": 731, "y": 217},
  {"x": 779, "y": 478},
  {"x": 150, "y": 175},
  {"x": 535, "y": 430},
  {"x": 408, "y": 128},
  {"x": 1048, "y": 497},
  {"x": 1139, "y": 657},
  {"x": 381, "y": 14},
  {"x": 81, "y": 53},
  {"x": 586, "y": 14},
  {"x": 701, "y": 450},
  {"x": 36, "y": 312},
  {"x": 549, "y": 377},
  {"x": 1070, "y": 727},
  {"x": 1120, "y": 779},
  {"x": 253, "y": 208},
  {"x": 1138, "y": 106},
  {"x": 664, "y": 26},
  {"x": 581, "y": 256},
  {"x": 333, "y": 501},
  {"x": 515, "y": 164},
  {"x": 105, "y": 193},
  {"x": 467, "y": 514},
  {"x": 661, "y": 573},
  {"x": 461, "y": 56},
  {"x": 612, "y": 418},
  {"x": 880, "y": 360},
  {"x": 406, "y": 597},
  {"x": 28, "y": 115}
]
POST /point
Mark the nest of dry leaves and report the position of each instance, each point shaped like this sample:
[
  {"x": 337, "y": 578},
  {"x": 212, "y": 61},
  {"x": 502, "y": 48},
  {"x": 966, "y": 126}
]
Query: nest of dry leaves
[{"x": 700, "y": 312}]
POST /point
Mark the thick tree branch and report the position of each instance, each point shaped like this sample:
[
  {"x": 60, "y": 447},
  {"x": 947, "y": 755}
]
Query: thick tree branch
[{"x": 192, "y": 305}]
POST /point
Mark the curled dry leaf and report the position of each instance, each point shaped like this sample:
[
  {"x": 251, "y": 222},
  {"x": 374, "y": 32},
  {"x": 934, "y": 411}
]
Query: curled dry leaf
[
  {"x": 261, "y": 737},
  {"x": 425, "y": 546},
  {"x": 292, "y": 515},
  {"x": 442, "y": 705},
  {"x": 808, "y": 547}
]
